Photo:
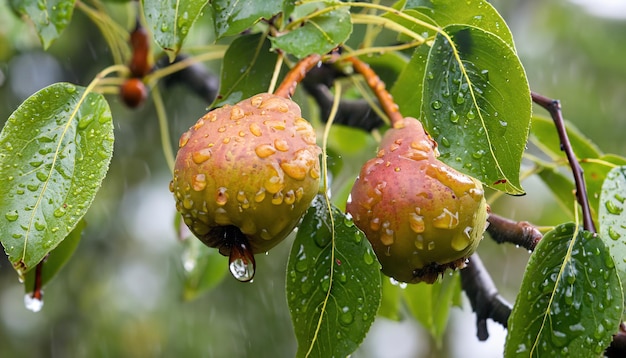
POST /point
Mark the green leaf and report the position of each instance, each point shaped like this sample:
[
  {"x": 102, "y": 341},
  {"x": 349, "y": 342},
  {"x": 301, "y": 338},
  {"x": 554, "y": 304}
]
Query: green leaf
[
  {"x": 570, "y": 302},
  {"x": 246, "y": 69},
  {"x": 318, "y": 34},
  {"x": 407, "y": 90},
  {"x": 476, "y": 13},
  {"x": 50, "y": 17},
  {"x": 479, "y": 112},
  {"x": 333, "y": 284},
  {"x": 430, "y": 304},
  {"x": 544, "y": 135},
  {"x": 612, "y": 218},
  {"x": 55, "y": 151},
  {"x": 204, "y": 268},
  {"x": 170, "y": 21},
  {"x": 57, "y": 258},
  {"x": 235, "y": 16},
  {"x": 595, "y": 172},
  {"x": 561, "y": 186}
]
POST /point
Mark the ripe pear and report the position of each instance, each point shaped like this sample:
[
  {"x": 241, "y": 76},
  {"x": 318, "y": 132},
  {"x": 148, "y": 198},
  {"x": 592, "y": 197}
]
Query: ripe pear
[
  {"x": 420, "y": 215},
  {"x": 246, "y": 173}
]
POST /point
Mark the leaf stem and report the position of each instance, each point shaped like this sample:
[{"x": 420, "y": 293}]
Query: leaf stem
[
  {"x": 177, "y": 66},
  {"x": 553, "y": 106},
  {"x": 163, "y": 128},
  {"x": 329, "y": 124},
  {"x": 277, "y": 67},
  {"x": 387, "y": 23}
]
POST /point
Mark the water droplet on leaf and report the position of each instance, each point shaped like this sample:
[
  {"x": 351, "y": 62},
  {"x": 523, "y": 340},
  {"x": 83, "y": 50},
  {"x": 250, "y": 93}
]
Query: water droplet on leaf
[{"x": 12, "y": 215}]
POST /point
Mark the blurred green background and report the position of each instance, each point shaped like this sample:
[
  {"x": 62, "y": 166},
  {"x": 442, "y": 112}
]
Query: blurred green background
[{"x": 121, "y": 293}]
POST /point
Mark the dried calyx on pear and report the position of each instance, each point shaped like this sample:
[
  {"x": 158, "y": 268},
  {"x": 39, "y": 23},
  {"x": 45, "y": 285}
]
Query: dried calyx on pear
[
  {"x": 244, "y": 176},
  {"x": 420, "y": 215}
]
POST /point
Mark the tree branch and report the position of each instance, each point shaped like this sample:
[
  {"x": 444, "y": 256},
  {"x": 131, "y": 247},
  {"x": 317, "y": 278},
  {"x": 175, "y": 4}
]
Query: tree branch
[
  {"x": 520, "y": 233},
  {"x": 483, "y": 296},
  {"x": 554, "y": 108}
]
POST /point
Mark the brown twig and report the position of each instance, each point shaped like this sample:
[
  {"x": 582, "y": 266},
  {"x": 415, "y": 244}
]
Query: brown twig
[
  {"x": 519, "y": 233},
  {"x": 483, "y": 296},
  {"x": 554, "y": 108},
  {"x": 37, "y": 286},
  {"x": 378, "y": 87},
  {"x": 296, "y": 75}
]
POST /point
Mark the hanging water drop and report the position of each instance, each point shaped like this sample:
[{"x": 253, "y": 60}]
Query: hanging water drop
[
  {"x": 454, "y": 117},
  {"x": 33, "y": 302},
  {"x": 436, "y": 104},
  {"x": 241, "y": 260}
]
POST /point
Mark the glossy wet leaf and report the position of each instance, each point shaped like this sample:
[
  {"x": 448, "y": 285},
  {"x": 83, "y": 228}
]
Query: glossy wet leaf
[
  {"x": 333, "y": 284},
  {"x": 408, "y": 89},
  {"x": 562, "y": 187},
  {"x": 570, "y": 302},
  {"x": 246, "y": 70},
  {"x": 476, "y": 13},
  {"x": 170, "y": 21},
  {"x": 430, "y": 304},
  {"x": 612, "y": 218},
  {"x": 50, "y": 17},
  {"x": 318, "y": 34},
  {"x": 204, "y": 268},
  {"x": 544, "y": 135},
  {"x": 57, "y": 258},
  {"x": 55, "y": 151},
  {"x": 478, "y": 113},
  {"x": 235, "y": 16}
]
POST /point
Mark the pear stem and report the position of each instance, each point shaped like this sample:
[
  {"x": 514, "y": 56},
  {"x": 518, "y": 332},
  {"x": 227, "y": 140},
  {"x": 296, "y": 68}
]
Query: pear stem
[
  {"x": 288, "y": 86},
  {"x": 378, "y": 87}
]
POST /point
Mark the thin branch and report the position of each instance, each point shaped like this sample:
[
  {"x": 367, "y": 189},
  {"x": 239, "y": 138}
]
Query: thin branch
[
  {"x": 554, "y": 108},
  {"x": 483, "y": 296},
  {"x": 519, "y": 233}
]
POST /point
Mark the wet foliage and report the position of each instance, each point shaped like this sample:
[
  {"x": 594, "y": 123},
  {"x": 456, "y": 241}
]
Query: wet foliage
[{"x": 78, "y": 222}]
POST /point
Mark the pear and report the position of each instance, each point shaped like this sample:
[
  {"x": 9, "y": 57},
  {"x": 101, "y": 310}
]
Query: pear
[
  {"x": 245, "y": 174},
  {"x": 420, "y": 215}
]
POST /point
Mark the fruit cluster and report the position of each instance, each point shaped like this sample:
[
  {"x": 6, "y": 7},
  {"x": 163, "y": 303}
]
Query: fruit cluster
[{"x": 245, "y": 174}]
